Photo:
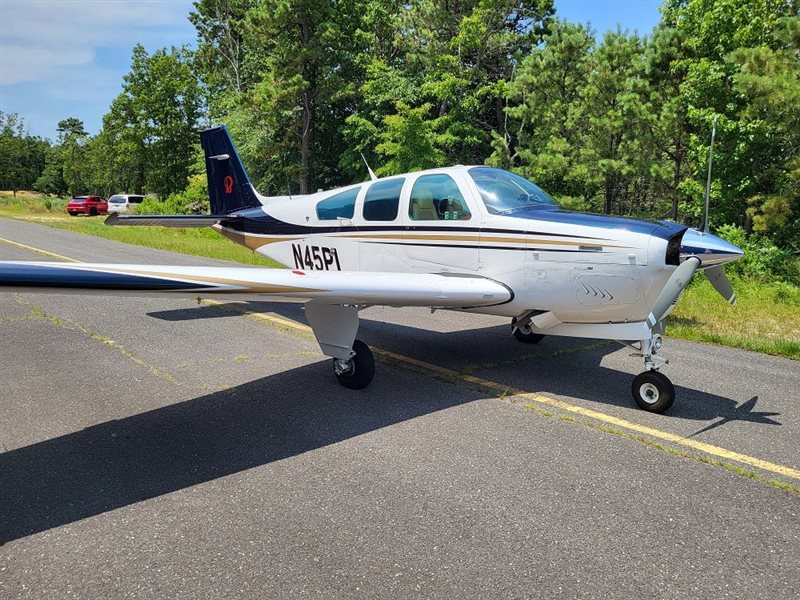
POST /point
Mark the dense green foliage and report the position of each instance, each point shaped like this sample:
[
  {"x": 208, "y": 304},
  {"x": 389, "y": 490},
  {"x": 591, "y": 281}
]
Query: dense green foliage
[{"x": 619, "y": 124}]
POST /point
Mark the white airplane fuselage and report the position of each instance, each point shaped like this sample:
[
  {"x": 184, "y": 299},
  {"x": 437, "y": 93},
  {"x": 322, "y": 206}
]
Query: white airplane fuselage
[{"x": 581, "y": 268}]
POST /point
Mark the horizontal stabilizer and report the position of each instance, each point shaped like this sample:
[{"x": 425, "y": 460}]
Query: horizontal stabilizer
[
  {"x": 330, "y": 287},
  {"x": 168, "y": 220}
]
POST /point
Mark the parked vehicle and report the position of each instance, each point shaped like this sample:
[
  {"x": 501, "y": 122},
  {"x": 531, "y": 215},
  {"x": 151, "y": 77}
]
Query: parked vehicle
[
  {"x": 87, "y": 205},
  {"x": 119, "y": 203}
]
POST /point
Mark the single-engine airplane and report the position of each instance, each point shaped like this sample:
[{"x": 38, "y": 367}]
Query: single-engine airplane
[{"x": 465, "y": 238}]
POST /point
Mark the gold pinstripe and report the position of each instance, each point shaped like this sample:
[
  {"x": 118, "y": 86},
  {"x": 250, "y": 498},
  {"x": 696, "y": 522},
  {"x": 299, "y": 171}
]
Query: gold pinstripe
[{"x": 254, "y": 241}]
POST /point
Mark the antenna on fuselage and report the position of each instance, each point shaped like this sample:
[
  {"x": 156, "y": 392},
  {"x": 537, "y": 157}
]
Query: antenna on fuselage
[
  {"x": 372, "y": 175},
  {"x": 704, "y": 228}
]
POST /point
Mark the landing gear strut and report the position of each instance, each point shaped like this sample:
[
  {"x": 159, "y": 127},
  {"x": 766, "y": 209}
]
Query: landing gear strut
[
  {"x": 524, "y": 333},
  {"x": 357, "y": 371},
  {"x": 652, "y": 390}
]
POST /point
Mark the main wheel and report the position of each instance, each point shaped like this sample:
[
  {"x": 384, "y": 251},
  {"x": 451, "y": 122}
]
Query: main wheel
[
  {"x": 653, "y": 391},
  {"x": 525, "y": 334},
  {"x": 93, "y": 212},
  {"x": 357, "y": 372}
]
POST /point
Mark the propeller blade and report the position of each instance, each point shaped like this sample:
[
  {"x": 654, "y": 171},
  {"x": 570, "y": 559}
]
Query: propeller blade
[
  {"x": 717, "y": 278},
  {"x": 679, "y": 279}
]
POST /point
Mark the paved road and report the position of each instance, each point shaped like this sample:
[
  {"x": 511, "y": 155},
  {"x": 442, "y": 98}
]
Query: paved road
[{"x": 164, "y": 448}]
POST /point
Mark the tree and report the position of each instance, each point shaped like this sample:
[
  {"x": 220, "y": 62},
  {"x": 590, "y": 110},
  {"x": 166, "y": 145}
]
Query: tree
[
  {"x": 22, "y": 155},
  {"x": 72, "y": 138},
  {"x": 544, "y": 120},
  {"x": 151, "y": 129},
  {"x": 769, "y": 78},
  {"x": 745, "y": 160}
]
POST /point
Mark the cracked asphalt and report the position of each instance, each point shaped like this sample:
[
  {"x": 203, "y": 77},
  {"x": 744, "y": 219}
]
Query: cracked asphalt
[{"x": 158, "y": 447}]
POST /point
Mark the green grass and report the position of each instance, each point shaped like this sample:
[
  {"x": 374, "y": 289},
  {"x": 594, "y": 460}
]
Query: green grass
[
  {"x": 195, "y": 241},
  {"x": 766, "y": 318}
]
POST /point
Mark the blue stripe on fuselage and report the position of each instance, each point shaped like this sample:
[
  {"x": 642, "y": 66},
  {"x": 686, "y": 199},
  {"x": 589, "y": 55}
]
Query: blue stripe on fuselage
[{"x": 257, "y": 222}]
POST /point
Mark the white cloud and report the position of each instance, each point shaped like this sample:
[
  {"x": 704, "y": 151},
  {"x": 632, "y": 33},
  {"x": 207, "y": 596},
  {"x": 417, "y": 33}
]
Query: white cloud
[
  {"x": 37, "y": 38},
  {"x": 67, "y": 58}
]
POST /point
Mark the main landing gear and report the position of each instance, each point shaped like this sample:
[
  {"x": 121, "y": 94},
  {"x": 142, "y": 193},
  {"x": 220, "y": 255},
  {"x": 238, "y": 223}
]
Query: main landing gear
[
  {"x": 652, "y": 390},
  {"x": 357, "y": 371},
  {"x": 524, "y": 333}
]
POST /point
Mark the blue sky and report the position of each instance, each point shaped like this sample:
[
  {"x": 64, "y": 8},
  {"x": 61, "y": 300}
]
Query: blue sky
[{"x": 65, "y": 58}]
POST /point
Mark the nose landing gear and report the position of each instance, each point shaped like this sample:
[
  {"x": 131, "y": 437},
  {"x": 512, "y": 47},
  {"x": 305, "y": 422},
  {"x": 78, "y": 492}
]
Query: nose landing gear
[{"x": 652, "y": 390}]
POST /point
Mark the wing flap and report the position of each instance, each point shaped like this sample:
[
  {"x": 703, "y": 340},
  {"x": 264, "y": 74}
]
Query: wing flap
[{"x": 333, "y": 287}]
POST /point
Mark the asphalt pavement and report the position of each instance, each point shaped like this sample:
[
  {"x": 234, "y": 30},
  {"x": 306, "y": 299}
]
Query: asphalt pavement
[{"x": 165, "y": 447}]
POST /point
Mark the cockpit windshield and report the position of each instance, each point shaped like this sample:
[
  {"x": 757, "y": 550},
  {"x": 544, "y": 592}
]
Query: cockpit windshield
[{"x": 504, "y": 192}]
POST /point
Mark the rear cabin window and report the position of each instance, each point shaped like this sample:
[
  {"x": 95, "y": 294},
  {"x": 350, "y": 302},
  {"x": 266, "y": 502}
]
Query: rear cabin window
[
  {"x": 341, "y": 205},
  {"x": 437, "y": 198},
  {"x": 135, "y": 199},
  {"x": 382, "y": 200}
]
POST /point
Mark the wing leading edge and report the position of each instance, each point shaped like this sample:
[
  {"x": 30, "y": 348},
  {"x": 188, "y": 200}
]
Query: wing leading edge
[{"x": 341, "y": 287}]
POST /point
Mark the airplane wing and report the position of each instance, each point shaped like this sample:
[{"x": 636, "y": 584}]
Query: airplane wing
[{"x": 443, "y": 290}]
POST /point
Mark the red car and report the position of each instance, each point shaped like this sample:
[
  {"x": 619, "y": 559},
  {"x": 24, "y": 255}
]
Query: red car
[{"x": 88, "y": 205}]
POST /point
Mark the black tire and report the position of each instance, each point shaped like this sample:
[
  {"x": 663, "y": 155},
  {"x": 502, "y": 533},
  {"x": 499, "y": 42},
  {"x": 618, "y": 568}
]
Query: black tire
[
  {"x": 653, "y": 391},
  {"x": 72, "y": 213},
  {"x": 93, "y": 212},
  {"x": 525, "y": 335},
  {"x": 362, "y": 368}
]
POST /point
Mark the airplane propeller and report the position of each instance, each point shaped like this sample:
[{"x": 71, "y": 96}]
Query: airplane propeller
[
  {"x": 720, "y": 282},
  {"x": 679, "y": 279}
]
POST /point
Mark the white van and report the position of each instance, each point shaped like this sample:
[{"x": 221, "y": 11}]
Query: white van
[{"x": 123, "y": 202}]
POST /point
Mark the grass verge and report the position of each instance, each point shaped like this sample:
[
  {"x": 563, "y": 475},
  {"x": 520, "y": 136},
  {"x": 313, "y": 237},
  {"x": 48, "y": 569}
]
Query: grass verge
[
  {"x": 195, "y": 241},
  {"x": 766, "y": 318}
]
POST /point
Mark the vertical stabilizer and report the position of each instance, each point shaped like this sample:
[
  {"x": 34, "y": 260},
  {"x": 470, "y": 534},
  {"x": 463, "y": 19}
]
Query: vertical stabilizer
[{"x": 229, "y": 188}]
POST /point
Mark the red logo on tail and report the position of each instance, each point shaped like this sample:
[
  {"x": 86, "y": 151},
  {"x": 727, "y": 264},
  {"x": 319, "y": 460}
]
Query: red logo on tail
[{"x": 228, "y": 183}]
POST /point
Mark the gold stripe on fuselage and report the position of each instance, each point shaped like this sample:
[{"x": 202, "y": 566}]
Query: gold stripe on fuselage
[{"x": 256, "y": 241}]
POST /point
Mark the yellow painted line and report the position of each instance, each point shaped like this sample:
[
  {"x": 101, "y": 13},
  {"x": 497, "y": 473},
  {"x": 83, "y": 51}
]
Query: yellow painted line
[
  {"x": 717, "y": 451},
  {"x": 38, "y": 250}
]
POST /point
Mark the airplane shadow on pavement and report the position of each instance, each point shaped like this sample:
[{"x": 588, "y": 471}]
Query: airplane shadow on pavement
[
  {"x": 562, "y": 366},
  {"x": 124, "y": 461}
]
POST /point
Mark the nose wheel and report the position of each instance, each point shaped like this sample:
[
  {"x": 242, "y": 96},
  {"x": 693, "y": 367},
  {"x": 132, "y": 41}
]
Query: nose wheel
[
  {"x": 357, "y": 371},
  {"x": 653, "y": 391}
]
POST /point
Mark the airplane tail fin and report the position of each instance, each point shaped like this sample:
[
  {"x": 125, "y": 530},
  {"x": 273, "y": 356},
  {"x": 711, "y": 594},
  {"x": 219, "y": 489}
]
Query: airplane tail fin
[{"x": 229, "y": 188}]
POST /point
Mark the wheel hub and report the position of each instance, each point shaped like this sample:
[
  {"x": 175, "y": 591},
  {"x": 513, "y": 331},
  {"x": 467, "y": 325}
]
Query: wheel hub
[
  {"x": 343, "y": 367},
  {"x": 649, "y": 393}
]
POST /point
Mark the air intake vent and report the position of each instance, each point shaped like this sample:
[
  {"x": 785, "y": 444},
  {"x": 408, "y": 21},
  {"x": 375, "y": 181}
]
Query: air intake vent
[{"x": 674, "y": 249}]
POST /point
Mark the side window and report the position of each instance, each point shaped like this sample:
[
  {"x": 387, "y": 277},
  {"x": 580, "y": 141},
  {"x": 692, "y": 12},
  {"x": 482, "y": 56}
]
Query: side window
[
  {"x": 135, "y": 199},
  {"x": 341, "y": 205},
  {"x": 437, "y": 197},
  {"x": 382, "y": 200}
]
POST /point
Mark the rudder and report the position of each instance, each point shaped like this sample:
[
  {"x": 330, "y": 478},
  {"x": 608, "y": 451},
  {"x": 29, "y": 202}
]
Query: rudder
[{"x": 229, "y": 188}]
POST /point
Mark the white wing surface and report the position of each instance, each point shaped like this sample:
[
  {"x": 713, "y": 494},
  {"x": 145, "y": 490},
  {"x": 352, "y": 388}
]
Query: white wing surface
[{"x": 331, "y": 287}]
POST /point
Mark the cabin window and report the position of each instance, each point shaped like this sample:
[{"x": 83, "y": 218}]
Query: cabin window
[
  {"x": 437, "y": 198},
  {"x": 382, "y": 200},
  {"x": 338, "y": 206}
]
